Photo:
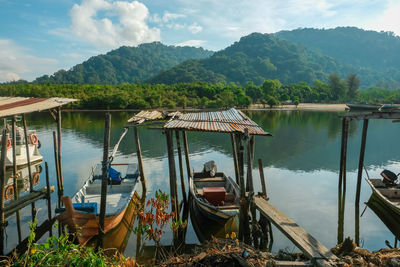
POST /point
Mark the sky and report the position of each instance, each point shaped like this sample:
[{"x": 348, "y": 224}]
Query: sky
[{"x": 39, "y": 37}]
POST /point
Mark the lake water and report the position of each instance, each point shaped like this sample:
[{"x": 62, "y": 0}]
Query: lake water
[{"x": 301, "y": 165}]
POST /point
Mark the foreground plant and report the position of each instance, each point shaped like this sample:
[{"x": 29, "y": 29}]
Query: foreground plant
[{"x": 61, "y": 251}]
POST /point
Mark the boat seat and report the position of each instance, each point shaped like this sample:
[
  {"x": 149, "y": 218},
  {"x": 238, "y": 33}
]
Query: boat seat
[
  {"x": 210, "y": 179},
  {"x": 228, "y": 207}
]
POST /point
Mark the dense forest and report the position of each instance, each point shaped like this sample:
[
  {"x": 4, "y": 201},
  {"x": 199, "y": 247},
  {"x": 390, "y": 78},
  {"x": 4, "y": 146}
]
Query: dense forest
[
  {"x": 126, "y": 64},
  {"x": 205, "y": 95}
]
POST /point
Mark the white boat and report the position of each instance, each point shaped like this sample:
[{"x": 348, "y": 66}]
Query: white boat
[
  {"x": 82, "y": 210},
  {"x": 20, "y": 149}
]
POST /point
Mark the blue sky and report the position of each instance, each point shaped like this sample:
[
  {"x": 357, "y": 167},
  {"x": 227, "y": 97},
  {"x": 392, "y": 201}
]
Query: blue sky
[{"x": 39, "y": 37}]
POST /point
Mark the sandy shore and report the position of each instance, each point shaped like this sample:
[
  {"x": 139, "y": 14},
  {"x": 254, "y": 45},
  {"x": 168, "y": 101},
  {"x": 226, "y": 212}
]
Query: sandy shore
[{"x": 303, "y": 106}]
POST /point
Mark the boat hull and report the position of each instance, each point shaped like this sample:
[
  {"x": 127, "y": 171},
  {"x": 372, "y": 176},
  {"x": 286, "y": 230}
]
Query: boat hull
[{"x": 366, "y": 107}]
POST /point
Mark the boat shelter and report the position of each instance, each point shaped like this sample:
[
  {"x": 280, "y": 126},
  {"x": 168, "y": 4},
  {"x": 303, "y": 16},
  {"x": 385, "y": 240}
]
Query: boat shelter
[
  {"x": 241, "y": 129},
  {"x": 393, "y": 115},
  {"x": 10, "y": 107}
]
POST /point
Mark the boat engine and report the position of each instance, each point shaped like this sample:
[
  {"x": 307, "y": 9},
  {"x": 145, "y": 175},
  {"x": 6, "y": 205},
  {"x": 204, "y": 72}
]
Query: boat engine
[
  {"x": 389, "y": 178},
  {"x": 210, "y": 168}
]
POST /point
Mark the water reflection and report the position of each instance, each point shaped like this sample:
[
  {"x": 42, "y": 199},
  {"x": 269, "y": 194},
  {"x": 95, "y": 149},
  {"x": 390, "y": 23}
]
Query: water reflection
[{"x": 301, "y": 164}]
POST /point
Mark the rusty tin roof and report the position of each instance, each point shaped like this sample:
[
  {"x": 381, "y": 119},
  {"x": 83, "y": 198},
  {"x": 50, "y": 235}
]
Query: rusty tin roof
[{"x": 228, "y": 121}]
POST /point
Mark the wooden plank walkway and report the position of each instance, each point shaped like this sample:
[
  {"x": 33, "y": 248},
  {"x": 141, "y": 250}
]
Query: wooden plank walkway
[{"x": 311, "y": 247}]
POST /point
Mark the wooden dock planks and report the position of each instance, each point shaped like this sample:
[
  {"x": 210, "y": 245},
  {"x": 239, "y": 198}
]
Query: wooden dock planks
[{"x": 311, "y": 247}]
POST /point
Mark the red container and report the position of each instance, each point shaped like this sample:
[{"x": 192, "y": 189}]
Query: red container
[{"x": 214, "y": 195}]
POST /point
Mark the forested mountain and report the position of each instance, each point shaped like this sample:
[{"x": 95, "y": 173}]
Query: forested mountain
[
  {"x": 126, "y": 64},
  {"x": 255, "y": 58},
  {"x": 351, "y": 45}
]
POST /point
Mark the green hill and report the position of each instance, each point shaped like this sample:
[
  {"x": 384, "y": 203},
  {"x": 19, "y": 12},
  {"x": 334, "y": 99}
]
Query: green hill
[
  {"x": 125, "y": 64},
  {"x": 255, "y": 57}
]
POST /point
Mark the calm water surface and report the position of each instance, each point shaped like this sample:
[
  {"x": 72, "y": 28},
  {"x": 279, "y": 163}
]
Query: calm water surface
[{"x": 301, "y": 163}]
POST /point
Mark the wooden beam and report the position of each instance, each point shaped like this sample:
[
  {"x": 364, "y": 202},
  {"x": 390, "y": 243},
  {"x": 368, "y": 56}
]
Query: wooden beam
[
  {"x": 178, "y": 146},
  {"x": 359, "y": 176},
  {"x": 33, "y": 209},
  {"x": 4, "y": 138},
  {"x": 48, "y": 196},
  {"x": 24, "y": 201},
  {"x": 15, "y": 184},
  {"x": 186, "y": 148},
  {"x": 59, "y": 191},
  {"x": 104, "y": 180},
  {"x": 172, "y": 175},
  {"x": 139, "y": 159},
  {"x": 59, "y": 149},
  {"x": 235, "y": 158},
  {"x": 373, "y": 115}
]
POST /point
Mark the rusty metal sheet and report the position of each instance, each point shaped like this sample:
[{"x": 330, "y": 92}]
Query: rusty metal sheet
[{"x": 228, "y": 121}]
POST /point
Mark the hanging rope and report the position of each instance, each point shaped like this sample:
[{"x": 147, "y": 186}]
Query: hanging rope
[{"x": 111, "y": 158}]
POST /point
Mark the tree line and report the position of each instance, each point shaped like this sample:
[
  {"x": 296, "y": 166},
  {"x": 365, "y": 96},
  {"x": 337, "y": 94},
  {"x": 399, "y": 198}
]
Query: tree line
[{"x": 204, "y": 95}]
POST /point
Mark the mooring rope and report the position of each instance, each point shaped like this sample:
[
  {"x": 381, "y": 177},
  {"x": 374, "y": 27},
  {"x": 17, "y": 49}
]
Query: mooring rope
[{"x": 111, "y": 158}]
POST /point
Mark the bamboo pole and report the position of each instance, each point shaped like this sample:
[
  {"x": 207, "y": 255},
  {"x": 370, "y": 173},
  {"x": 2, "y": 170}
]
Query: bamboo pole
[
  {"x": 140, "y": 160},
  {"x": 359, "y": 176},
  {"x": 235, "y": 158},
  {"x": 15, "y": 184},
  {"x": 59, "y": 149},
  {"x": 48, "y": 196},
  {"x": 104, "y": 181},
  {"x": 2, "y": 182},
  {"x": 29, "y": 165},
  {"x": 186, "y": 147},
  {"x": 178, "y": 145}
]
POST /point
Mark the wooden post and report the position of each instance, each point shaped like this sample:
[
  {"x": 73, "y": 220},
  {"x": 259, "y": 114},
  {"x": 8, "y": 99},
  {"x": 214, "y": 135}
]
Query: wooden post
[
  {"x": 255, "y": 235},
  {"x": 235, "y": 158},
  {"x": 48, "y": 196},
  {"x": 359, "y": 176},
  {"x": 104, "y": 181},
  {"x": 244, "y": 230},
  {"x": 29, "y": 166},
  {"x": 342, "y": 181},
  {"x": 262, "y": 178},
  {"x": 2, "y": 182},
  {"x": 172, "y": 175},
  {"x": 140, "y": 160},
  {"x": 178, "y": 145},
  {"x": 264, "y": 222},
  {"x": 59, "y": 194},
  {"x": 59, "y": 150},
  {"x": 15, "y": 184},
  {"x": 186, "y": 147}
]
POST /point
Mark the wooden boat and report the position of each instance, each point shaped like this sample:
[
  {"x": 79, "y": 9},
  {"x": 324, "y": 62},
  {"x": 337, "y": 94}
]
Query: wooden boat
[
  {"x": 20, "y": 149},
  {"x": 82, "y": 211},
  {"x": 385, "y": 203},
  {"x": 216, "y": 198},
  {"x": 363, "y": 106}
]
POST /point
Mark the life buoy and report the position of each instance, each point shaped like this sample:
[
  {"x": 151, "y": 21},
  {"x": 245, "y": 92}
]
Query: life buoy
[
  {"x": 9, "y": 192},
  {"x": 8, "y": 143},
  {"x": 36, "y": 178},
  {"x": 34, "y": 139}
]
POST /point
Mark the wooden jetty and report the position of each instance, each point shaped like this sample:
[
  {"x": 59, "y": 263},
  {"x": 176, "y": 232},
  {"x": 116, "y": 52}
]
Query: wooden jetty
[{"x": 311, "y": 247}]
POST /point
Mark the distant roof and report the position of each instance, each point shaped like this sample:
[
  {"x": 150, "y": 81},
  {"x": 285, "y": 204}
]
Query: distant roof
[
  {"x": 146, "y": 115},
  {"x": 10, "y": 106},
  {"x": 228, "y": 121}
]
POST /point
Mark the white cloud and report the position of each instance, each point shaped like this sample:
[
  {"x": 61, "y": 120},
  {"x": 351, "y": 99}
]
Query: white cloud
[
  {"x": 16, "y": 63},
  {"x": 171, "y": 16},
  {"x": 388, "y": 20},
  {"x": 195, "y": 43},
  {"x": 112, "y": 24},
  {"x": 195, "y": 28}
]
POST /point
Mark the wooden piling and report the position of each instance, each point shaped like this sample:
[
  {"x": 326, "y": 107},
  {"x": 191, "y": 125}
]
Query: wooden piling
[
  {"x": 178, "y": 145},
  {"x": 262, "y": 178},
  {"x": 140, "y": 160},
  {"x": 244, "y": 230},
  {"x": 254, "y": 224},
  {"x": 15, "y": 184},
  {"x": 104, "y": 181},
  {"x": 359, "y": 176},
  {"x": 2, "y": 182},
  {"x": 235, "y": 159},
  {"x": 342, "y": 181},
  {"x": 265, "y": 224},
  {"x": 29, "y": 165},
  {"x": 48, "y": 197},
  {"x": 186, "y": 147},
  {"x": 59, "y": 149},
  {"x": 59, "y": 194}
]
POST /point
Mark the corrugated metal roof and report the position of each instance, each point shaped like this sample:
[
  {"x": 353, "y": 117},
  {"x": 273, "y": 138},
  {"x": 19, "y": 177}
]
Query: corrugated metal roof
[
  {"x": 146, "y": 115},
  {"x": 229, "y": 121},
  {"x": 10, "y": 106}
]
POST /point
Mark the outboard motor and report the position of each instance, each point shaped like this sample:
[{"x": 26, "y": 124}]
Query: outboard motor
[
  {"x": 389, "y": 178},
  {"x": 210, "y": 168}
]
